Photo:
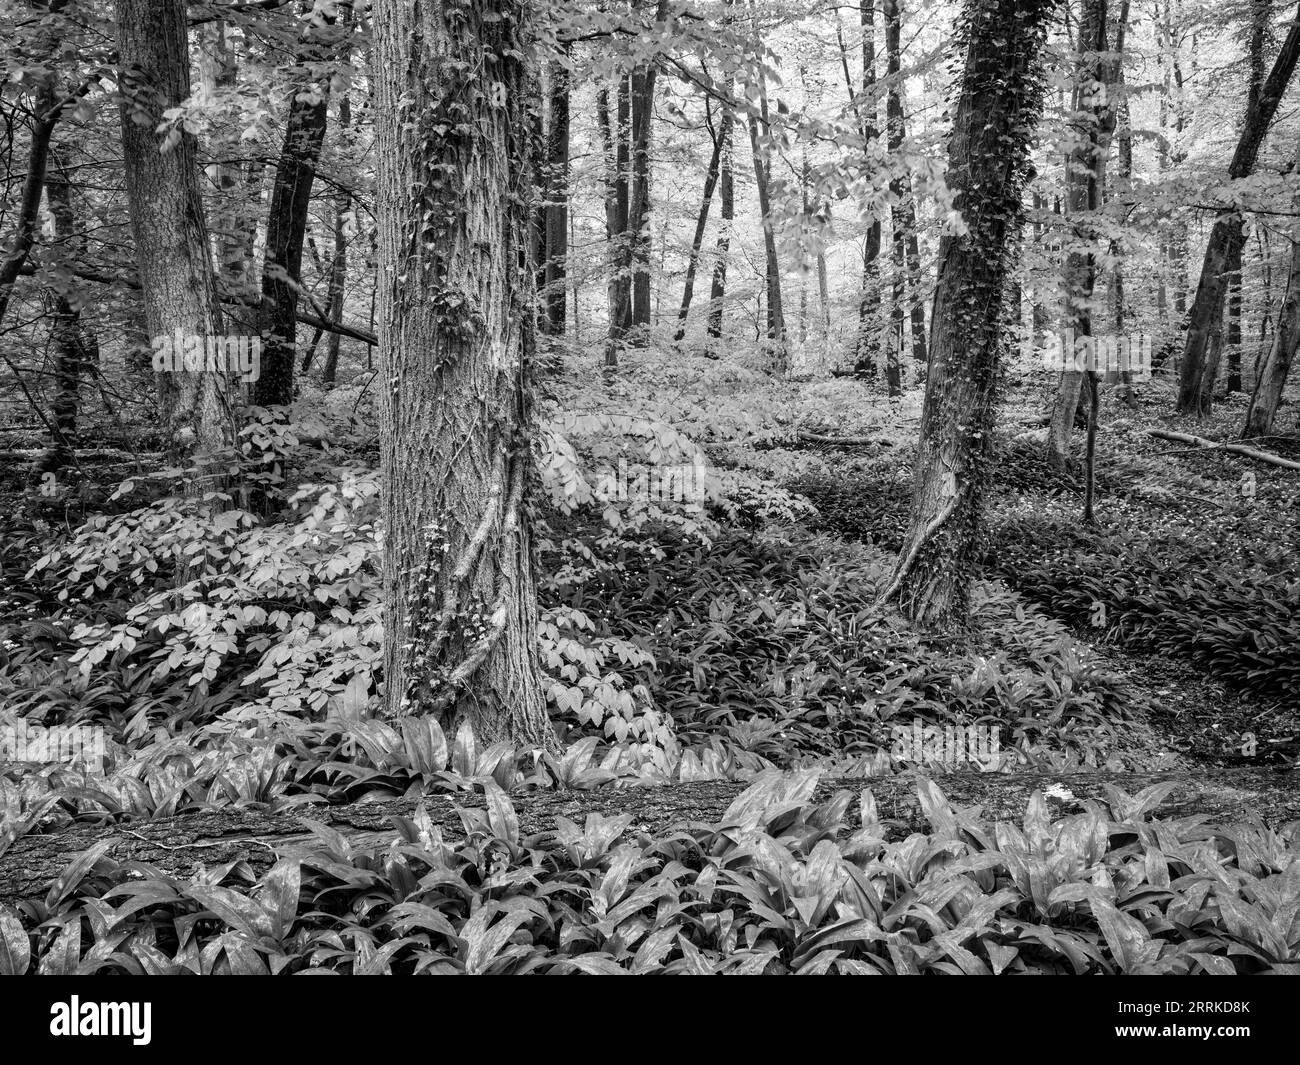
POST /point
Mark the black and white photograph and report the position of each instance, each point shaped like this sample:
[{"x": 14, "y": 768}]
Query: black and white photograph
[{"x": 650, "y": 487}]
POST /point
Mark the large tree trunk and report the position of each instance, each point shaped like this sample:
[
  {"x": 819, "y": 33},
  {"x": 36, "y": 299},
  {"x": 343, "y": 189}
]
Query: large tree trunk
[
  {"x": 701, "y": 222},
  {"x": 1224, "y": 247},
  {"x": 286, "y": 227},
  {"x": 998, "y": 97},
  {"x": 456, "y": 333},
  {"x": 167, "y": 220}
]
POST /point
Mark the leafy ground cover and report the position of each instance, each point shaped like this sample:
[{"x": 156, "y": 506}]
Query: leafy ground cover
[{"x": 235, "y": 663}]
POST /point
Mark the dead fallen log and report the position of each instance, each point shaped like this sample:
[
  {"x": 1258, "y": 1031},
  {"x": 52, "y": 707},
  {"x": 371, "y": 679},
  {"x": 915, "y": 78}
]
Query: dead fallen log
[
  {"x": 179, "y": 845},
  {"x": 90, "y": 454},
  {"x": 844, "y": 441},
  {"x": 1236, "y": 449}
]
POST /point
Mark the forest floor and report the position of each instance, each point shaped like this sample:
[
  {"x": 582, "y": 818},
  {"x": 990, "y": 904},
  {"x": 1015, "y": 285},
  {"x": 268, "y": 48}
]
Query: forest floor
[
  {"x": 1142, "y": 670},
  {"x": 1184, "y": 712}
]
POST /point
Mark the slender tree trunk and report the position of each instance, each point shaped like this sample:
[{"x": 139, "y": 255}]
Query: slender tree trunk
[
  {"x": 1233, "y": 382},
  {"x": 772, "y": 269},
  {"x": 339, "y": 264},
  {"x": 48, "y": 109},
  {"x": 1085, "y": 177},
  {"x": 174, "y": 256},
  {"x": 287, "y": 223},
  {"x": 218, "y": 73},
  {"x": 72, "y": 351},
  {"x": 997, "y": 101},
  {"x": 1039, "y": 320},
  {"x": 727, "y": 214},
  {"x": 1274, "y": 367},
  {"x": 456, "y": 334},
  {"x": 556, "y": 209},
  {"x": 643, "y": 90},
  {"x": 614, "y": 132},
  {"x": 1224, "y": 247},
  {"x": 697, "y": 241},
  {"x": 904, "y": 209},
  {"x": 866, "y": 346}
]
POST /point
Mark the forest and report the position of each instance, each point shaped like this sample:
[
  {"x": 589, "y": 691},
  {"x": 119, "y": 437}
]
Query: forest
[{"x": 649, "y": 487}]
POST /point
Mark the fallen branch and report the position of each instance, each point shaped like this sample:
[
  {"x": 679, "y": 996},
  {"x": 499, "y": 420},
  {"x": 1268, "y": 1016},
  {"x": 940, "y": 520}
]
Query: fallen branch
[
  {"x": 1236, "y": 449},
  {"x": 844, "y": 441},
  {"x": 179, "y": 845}
]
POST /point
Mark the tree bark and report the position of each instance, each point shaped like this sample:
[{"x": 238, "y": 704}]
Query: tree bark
[
  {"x": 556, "y": 209},
  {"x": 643, "y": 98},
  {"x": 1270, "y": 379},
  {"x": 167, "y": 220},
  {"x": 701, "y": 223},
  {"x": 48, "y": 109},
  {"x": 613, "y": 123},
  {"x": 1224, "y": 246},
  {"x": 339, "y": 264},
  {"x": 999, "y": 93},
  {"x": 1085, "y": 167},
  {"x": 286, "y": 227},
  {"x": 456, "y": 339},
  {"x": 866, "y": 347},
  {"x": 726, "y": 217},
  {"x": 775, "y": 331},
  {"x": 904, "y": 209},
  {"x": 74, "y": 348}
]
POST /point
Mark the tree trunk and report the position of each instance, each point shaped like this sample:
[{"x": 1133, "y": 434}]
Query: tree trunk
[
  {"x": 556, "y": 209},
  {"x": 867, "y": 347},
  {"x": 771, "y": 266},
  {"x": 1271, "y": 377},
  {"x": 904, "y": 210},
  {"x": 727, "y": 214},
  {"x": 73, "y": 349},
  {"x": 47, "y": 109},
  {"x": 701, "y": 223},
  {"x": 456, "y": 335},
  {"x": 339, "y": 264},
  {"x": 1224, "y": 246},
  {"x": 999, "y": 92},
  {"x": 643, "y": 95},
  {"x": 218, "y": 73},
  {"x": 614, "y": 134},
  {"x": 286, "y": 226},
  {"x": 166, "y": 209},
  {"x": 1085, "y": 169}
]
